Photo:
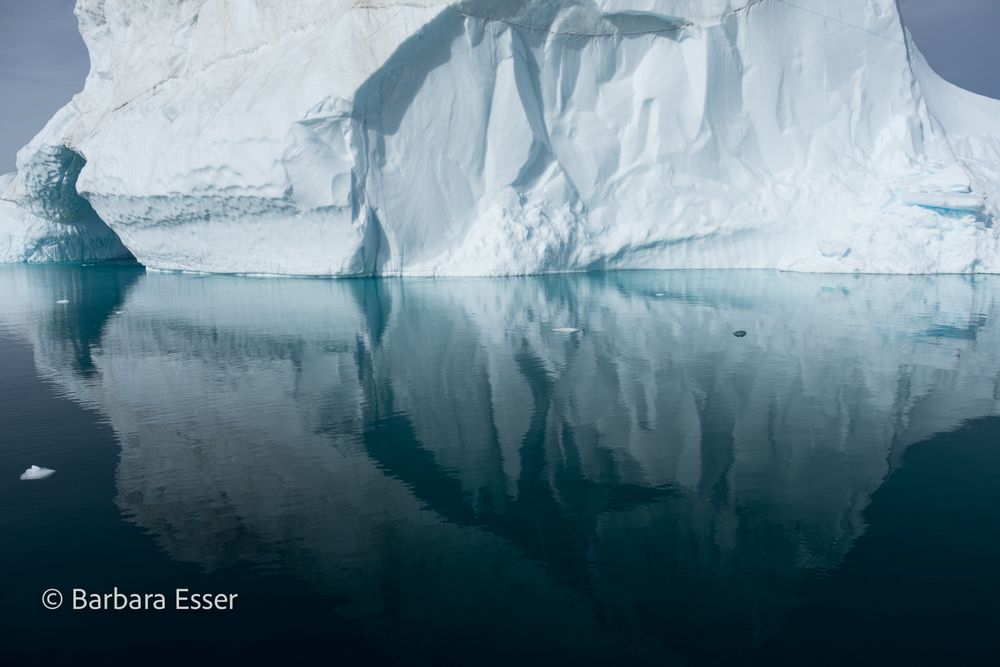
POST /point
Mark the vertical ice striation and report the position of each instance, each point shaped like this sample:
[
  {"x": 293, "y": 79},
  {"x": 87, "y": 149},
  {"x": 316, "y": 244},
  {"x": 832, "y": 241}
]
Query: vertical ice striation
[{"x": 476, "y": 137}]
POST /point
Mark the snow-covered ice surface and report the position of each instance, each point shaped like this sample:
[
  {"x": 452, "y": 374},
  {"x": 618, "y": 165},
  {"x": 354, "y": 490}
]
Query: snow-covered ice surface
[
  {"x": 35, "y": 473},
  {"x": 433, "y": 137}
]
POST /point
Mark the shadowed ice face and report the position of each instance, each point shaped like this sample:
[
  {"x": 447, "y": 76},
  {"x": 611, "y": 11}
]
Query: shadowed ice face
[{"x": 604, "y": 17}]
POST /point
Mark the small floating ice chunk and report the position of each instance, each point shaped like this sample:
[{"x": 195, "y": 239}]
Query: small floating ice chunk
[
  {"x": 566, "y": 330},
  {"x": 62, "y": 302},
  {"x": 740, "y": 334},
  {"x": 35, "y": 472},
  {"x": 660, "y": 294}
]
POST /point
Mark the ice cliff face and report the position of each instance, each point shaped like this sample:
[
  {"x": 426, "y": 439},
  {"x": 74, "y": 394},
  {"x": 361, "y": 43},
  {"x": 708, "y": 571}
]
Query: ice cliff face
[{"x": 477, "y": 137}]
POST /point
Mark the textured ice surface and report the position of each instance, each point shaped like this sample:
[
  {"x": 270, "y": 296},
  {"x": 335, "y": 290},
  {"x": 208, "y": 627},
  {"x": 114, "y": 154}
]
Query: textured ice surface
[
  {"x": 436, "y": 137},
  {"x": 35, "y": 472}
]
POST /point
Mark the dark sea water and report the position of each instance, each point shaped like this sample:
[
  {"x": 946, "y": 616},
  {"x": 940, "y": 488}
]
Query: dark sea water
[{"x": 426, "y": 472}]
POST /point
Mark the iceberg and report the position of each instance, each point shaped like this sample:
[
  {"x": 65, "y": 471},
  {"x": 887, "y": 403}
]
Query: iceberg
[
  {"x": 443, "y": 137},
  {"x": 35, "y": 473}
]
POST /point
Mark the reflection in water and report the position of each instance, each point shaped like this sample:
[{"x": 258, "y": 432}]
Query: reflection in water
[{"x": 464, "y": 476}]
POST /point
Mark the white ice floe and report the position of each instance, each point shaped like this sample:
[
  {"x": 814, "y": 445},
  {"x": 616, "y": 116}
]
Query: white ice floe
[
  {"x": 36, "y": 472},
  {"x": 566, "y": 330},
  {"x": 472, "y": 137},
  {"x": 62, "y": 302}
]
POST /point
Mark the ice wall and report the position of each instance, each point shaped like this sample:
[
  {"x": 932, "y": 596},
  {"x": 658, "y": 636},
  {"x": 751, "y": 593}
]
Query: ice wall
[{"x": 475, "y": 137}]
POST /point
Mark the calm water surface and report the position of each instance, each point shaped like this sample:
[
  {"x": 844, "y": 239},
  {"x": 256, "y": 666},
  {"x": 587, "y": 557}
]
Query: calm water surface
[{"x": 426, "y": 472}]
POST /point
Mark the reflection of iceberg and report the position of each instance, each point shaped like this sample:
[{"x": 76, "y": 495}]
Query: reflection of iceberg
[
  {"x": 432, "y": 436},
  {"x": 64, "y": 335}
]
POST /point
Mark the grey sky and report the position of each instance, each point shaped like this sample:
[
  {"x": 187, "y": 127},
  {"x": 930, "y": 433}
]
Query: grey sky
[
  {"x": 959, "y": 39},
  {"x": 43, "y": 61}
]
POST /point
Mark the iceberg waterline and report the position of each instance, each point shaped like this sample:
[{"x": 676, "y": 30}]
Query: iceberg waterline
[{"x": 436, "y": 138}]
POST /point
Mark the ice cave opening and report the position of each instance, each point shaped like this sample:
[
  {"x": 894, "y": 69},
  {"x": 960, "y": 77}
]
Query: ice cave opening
[{"x": 59, "y": 221}]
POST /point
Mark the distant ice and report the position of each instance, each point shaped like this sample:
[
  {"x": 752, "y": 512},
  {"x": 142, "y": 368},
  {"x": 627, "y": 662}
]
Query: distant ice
[
  {"x": 35, "y": 472},
  {"x": 62, "y": 301},
  {"x": 566, "y": 330}
]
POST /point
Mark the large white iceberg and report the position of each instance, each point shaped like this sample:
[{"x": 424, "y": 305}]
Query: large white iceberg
[{"x": 341, "y": 137}]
